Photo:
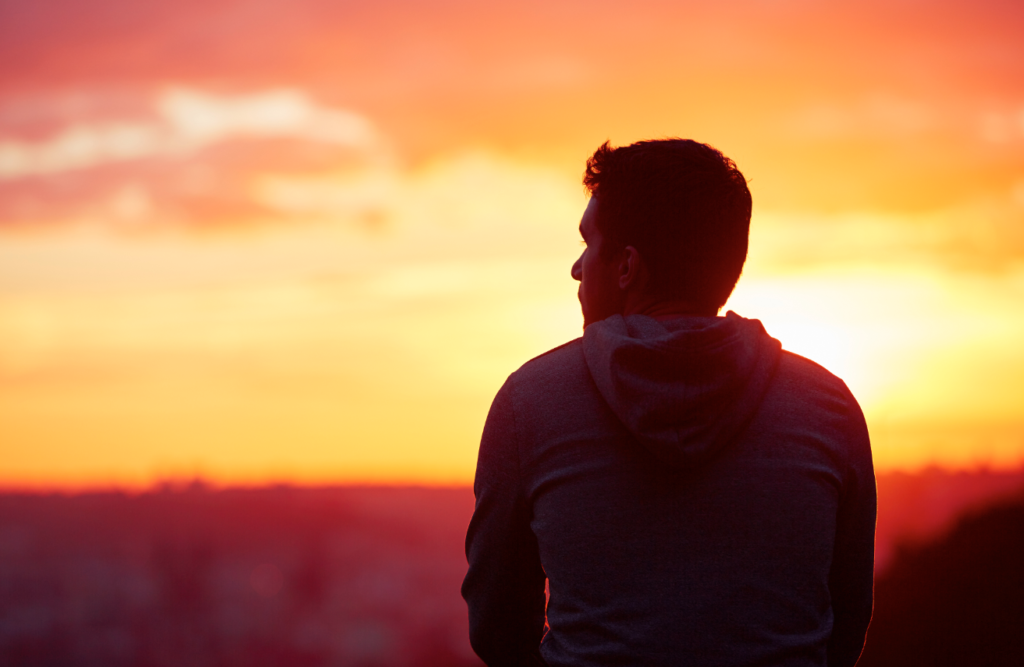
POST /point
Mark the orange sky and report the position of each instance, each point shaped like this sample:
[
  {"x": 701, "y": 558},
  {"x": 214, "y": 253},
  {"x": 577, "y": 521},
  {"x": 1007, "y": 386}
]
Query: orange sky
[{"x": 307, "y": 241}]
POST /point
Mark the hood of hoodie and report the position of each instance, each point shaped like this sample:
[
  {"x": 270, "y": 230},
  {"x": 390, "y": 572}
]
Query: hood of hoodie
[{"x": 684, "y": 387}]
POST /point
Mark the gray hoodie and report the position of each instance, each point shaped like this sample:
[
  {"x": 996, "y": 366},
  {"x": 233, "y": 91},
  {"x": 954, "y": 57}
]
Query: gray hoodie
[{"x": 692, "y": 494}]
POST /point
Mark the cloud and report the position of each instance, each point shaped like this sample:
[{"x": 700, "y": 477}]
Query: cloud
[
  {"x": 368, "y": 195},
  {"x": 982, "y": 236},
  {"x": 202, "y": 160},
  {"x": 889, "y": 117},
  {"x": 276, "y": 156},
  {"x": 468, "y": 190},
  {"x": 186, "y": 121},
  {"x": 199, "y": 119},
  {"x": 80, "y": 147},
  {"x": 181, "y": 156},
  {"x": 1001, "y": 126},
  {"x": 883, "y": 116}
]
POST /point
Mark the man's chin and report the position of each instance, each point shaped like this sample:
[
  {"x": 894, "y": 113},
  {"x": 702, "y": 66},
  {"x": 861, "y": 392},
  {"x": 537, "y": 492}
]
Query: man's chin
[
  {"x": 590, "y": 317},
  {"x": 587, "y": 321}
]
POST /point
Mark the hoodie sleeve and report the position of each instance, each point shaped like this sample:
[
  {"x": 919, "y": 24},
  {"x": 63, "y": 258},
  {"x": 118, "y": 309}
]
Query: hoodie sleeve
[
  {"x": 851, "y": 578},
  {"x": 504, "y": 586}
]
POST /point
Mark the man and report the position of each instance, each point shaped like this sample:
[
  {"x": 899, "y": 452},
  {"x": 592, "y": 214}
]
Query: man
[{"x": 690, "y": 493}]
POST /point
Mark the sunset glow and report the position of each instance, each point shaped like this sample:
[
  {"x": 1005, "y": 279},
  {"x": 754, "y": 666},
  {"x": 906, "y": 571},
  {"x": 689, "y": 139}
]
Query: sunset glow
[{"x": 307, "y": 242}]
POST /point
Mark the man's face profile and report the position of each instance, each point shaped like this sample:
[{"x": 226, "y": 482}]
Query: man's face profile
[{"x": 599, "y": 292}]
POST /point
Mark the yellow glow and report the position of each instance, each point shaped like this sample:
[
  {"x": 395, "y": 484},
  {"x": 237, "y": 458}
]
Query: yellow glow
[
  {"x": 322, "y": 268},
  {"x": 317, "y": 353}
]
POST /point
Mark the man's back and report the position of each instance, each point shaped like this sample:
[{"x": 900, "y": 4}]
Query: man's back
[{"x": 735, "y": 546}]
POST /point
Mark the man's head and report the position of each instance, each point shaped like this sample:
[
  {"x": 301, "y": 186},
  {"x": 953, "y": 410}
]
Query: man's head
[{"x": 667, "y": 222}]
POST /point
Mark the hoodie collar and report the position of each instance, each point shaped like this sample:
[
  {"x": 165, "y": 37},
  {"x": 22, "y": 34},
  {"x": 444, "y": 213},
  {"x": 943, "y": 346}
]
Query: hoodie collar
[{"x": 684, "y": 387}]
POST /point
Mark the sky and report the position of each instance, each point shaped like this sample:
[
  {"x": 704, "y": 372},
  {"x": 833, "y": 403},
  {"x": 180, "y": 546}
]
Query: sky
[{"x": 307, "y": 241}]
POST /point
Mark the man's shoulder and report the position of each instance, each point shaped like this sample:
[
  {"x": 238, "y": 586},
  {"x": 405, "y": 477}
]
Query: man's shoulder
[
  {"x": 557, "y": 360},
  {"x": 808, "y": 399},
  {"x": 807, "y": 372},
  {"x": 554, "y": 394},
  {"x": 553, "y": 370},
  {"x": 809, "y": 388}
]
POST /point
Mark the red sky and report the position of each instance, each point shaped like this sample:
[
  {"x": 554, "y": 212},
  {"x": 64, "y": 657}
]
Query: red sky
[{"x": 308, "y": 240}]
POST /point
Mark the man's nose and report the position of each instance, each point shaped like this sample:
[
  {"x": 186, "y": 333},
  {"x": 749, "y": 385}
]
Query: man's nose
[{"x": 577, "y": 269}]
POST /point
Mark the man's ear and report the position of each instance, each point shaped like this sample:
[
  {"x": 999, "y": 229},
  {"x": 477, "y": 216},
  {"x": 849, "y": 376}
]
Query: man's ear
[{"x": 631, "y": 268}]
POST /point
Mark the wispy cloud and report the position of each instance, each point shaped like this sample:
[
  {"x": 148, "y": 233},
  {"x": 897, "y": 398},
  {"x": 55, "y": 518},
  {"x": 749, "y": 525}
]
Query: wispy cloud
[
  {"x": 186, "y": 156},
  {"x": 875, "y": 116},
  {"x": 983, "y": 236},
  {"x": 185, "y": 122}
]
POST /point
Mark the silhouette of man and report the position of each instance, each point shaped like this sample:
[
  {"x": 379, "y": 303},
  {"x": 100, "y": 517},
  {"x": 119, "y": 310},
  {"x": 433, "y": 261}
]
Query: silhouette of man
[{"x": 691, "y": 493}]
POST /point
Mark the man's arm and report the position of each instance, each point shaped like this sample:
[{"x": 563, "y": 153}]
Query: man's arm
[
  {"x": 852, "y": 575},
  {"x": 504, "y": 587}
]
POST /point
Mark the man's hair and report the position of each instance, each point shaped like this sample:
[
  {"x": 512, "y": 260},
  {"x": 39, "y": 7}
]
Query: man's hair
[{"x": 683, "y": 205}]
